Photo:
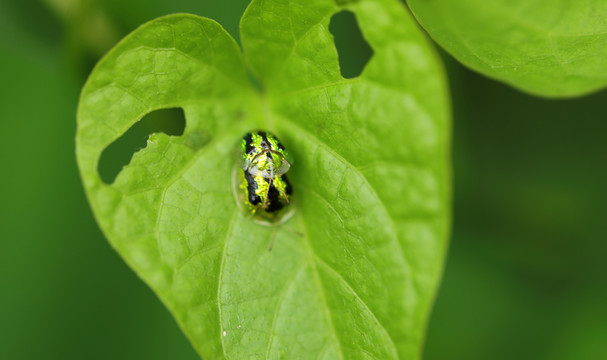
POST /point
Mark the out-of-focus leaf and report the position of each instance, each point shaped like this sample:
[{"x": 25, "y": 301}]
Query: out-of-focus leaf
[{"x": 547, "y": 48}]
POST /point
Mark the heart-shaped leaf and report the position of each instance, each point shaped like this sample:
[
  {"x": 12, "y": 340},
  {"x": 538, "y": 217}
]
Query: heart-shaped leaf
[
  {"x": 548, "y": 48},
  {"x": 353, "y": 273}
]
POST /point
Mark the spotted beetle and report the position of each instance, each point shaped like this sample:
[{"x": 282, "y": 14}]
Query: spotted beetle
[{"x": 263, "y": 177}]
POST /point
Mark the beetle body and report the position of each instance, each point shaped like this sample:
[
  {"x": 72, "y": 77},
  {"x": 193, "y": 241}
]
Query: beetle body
[{"x": 263, "y": 176}]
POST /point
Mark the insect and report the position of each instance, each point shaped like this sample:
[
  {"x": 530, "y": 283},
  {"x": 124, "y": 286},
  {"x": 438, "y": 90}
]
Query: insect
[{"x": 263, "y": 177}]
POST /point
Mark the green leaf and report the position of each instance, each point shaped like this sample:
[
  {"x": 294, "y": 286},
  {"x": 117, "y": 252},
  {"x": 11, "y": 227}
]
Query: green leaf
[
  {"x": 371, "y": 180},
  {"x": 547, "y": 48}
]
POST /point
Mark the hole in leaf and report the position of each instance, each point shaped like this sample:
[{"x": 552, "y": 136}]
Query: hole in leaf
[
  {"x": 120, "y": 152},
  {"x": 353, "y": 50}
]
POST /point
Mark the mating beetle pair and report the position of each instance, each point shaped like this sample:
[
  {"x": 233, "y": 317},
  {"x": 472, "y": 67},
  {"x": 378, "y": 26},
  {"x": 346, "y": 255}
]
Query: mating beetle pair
[{"x": 263, "y": 177}]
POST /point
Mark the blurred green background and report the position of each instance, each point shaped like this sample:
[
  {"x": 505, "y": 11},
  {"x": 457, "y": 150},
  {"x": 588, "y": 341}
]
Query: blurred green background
[{"x": 526, "y": 276}]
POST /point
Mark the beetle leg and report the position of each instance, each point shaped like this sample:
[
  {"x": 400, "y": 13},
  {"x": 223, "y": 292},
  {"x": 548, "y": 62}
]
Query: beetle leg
[
  {"x": 284, "y": 195},
  {"x": 273, "y": 237}
]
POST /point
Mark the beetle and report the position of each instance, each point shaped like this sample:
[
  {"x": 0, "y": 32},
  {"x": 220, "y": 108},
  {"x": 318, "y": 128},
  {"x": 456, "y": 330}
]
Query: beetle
[{"x": 263, "y": 177}]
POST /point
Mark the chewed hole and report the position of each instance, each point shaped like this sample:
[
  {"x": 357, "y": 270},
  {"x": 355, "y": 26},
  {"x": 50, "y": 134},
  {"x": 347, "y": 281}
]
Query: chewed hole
[
  {"x": 353, "y": 50},
  {"x": 120, "y": 152}
]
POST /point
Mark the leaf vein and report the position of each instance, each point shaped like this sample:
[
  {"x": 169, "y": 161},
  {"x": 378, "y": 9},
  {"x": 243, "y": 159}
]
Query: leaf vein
[
  {"x": 321, "y": 290},
  {"x": 341, "y": 159},
  {"x": 288, "y": 284},
  {"x": 358, "y": 299}
]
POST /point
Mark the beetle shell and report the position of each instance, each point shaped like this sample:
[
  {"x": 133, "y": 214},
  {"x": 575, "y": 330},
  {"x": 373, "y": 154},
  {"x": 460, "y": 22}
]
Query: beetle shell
[
  {"x": 262, "y": 175},
  {"x": 258, "y": 190},
  {"x": 263, "y": 154}
]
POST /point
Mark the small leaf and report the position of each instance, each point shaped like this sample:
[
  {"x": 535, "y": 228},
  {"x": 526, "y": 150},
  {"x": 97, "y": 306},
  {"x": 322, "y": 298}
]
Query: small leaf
[
  {"x": 548, "y": 48},
  {"x": 353, "y": 273}
]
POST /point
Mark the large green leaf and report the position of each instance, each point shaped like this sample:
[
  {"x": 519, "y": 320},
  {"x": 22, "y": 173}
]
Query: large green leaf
[
  {"x": 370, "y": 178},
  {"x": 547, "y": 48}
]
